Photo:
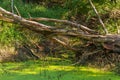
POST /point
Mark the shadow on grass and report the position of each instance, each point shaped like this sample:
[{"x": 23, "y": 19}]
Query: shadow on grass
[{"x": 52, "y": 70}]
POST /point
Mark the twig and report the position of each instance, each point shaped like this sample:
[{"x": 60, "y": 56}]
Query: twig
[
  {"x": 12, "y": 6},
  {"x": 29, "y": 15},
  {"x": 17, "y": 11},
  {"x": 105, "y": 30},
  {"x": 63, "y": 44}
]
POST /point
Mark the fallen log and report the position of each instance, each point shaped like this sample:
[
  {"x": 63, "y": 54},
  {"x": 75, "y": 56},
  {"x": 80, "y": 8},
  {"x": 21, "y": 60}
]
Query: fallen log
[{"x": 110, "y": 42}]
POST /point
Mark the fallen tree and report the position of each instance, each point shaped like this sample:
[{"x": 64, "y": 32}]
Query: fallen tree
[{"x": 109, "y": 42}]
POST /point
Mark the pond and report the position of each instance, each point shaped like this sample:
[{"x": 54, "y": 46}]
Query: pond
[{"x": 52, "y": 69}]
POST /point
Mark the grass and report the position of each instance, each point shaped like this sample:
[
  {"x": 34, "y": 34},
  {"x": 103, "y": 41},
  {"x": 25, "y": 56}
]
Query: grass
[{"x": 56, "y": 69}]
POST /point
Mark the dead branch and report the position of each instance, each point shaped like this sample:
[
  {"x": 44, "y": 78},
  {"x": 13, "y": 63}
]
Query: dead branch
[
  {"x": 17, "y": 11},
  {"x": 103, "y": 25},
  {"x": 38, "y": 27},
  {"x": 41, "y": 28},
  {"x": 82, "y": 27},
  {"x": 64, "y": 44}
]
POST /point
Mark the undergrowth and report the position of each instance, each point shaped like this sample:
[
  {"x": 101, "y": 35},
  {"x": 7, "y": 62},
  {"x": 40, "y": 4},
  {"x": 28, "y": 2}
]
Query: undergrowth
[{"x": 9, "y": 33}]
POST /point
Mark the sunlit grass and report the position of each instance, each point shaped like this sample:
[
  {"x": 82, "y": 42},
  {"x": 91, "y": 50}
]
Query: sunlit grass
[{"x": 48, "y": 70}]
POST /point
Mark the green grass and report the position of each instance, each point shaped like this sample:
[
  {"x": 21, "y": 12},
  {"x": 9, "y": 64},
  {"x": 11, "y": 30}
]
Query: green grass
[{"x": 52, "y": 70}]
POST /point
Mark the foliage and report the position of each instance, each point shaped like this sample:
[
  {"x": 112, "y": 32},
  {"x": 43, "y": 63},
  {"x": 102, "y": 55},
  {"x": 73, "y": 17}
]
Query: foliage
[{"x": 9, "y": 33}]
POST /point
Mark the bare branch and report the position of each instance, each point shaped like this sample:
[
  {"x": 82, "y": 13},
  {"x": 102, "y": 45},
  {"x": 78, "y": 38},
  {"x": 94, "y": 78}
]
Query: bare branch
[
  {"x": 38, "y": 27},
  {"x": 17, "y": 11},
  {"x": 64, "y": 21},
  {"x": 103, "y": 25}
]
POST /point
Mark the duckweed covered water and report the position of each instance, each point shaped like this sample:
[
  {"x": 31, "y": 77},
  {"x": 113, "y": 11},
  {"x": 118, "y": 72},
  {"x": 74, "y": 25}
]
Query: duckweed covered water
[{"x": 54, "y": 69}]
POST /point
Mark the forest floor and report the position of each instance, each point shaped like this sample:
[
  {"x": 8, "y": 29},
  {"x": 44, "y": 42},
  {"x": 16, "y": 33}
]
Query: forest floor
[{"x": 52, "y": 69}]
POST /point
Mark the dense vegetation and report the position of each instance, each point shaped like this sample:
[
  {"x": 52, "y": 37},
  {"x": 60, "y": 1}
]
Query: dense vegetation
[{"x": 15, "y": 39}]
